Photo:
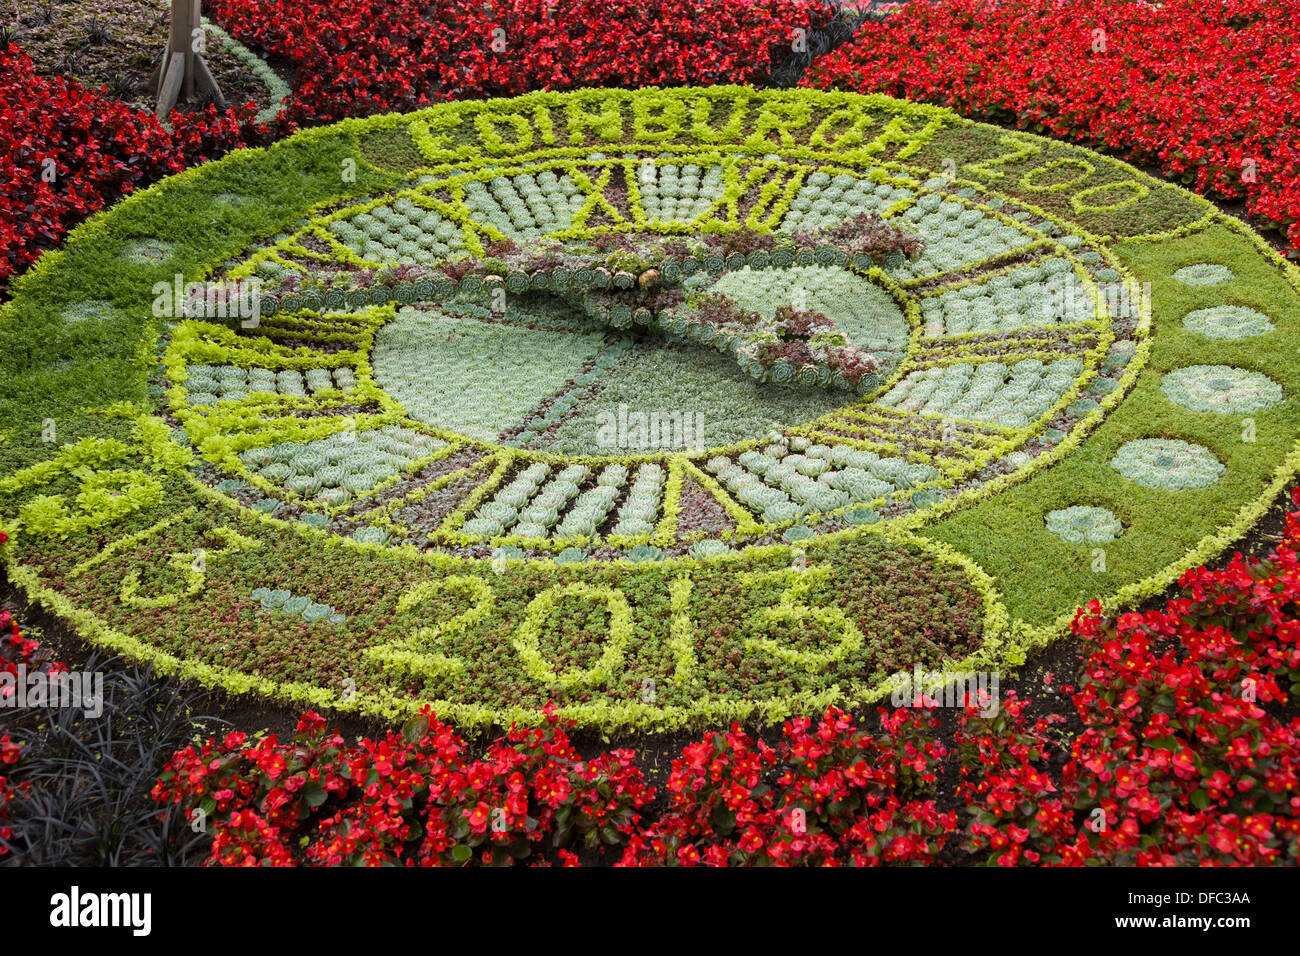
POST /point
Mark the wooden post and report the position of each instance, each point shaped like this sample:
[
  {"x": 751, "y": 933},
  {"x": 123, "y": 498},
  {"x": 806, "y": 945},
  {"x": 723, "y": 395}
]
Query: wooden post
[{"x": 183, "y": 70}]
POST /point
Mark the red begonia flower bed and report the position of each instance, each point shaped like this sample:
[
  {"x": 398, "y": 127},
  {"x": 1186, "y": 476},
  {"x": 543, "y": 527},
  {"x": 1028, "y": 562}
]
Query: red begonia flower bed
[
  {"x": 360, "y": 57},
  {"x": 67, "y": 152}
]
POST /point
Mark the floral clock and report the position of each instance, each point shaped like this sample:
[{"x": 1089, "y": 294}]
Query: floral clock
[{"x": 667, "y": 407}]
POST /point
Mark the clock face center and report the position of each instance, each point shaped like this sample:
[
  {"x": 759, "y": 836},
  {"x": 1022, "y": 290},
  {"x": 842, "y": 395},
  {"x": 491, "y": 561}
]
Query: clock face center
[{"x": 539, "y": 374}]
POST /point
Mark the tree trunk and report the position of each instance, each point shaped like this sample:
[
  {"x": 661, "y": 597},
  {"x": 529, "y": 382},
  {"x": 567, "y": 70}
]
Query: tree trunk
[{"x": 183, "y": 70}]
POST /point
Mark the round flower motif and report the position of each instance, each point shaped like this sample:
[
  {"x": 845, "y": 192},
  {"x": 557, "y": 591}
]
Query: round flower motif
[
  {"x": 1083, "y": 524},
  {"x": 1167, "y": 463},
  {"x": 148, "y": 251},
  {"x": 1220, "y": 388},
  {"x": 1229, "y": 322},
  {"x": 233, "y": 199},
  {"x": 1204, "y": 273},
  {"x": 87, "y": 310}
]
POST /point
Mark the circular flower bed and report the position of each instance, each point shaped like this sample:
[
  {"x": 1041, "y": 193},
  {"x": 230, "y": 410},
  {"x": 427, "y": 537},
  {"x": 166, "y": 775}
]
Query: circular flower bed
[
  {"x": 1230, "y": 322},
  {"x": 1080, "y": 523},
  {"x": 666, "y": 406},
  {"x": 1204, "y": 273},
  {"x": 1166, "y": 463},
  {"x": 1220, "y": 388}
]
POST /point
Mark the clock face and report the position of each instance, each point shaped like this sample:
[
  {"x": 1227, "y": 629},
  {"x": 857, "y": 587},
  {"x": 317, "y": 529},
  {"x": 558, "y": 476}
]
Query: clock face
[
  {"x": 963, "y": 358},
  {"x": 741, "y": 411}
]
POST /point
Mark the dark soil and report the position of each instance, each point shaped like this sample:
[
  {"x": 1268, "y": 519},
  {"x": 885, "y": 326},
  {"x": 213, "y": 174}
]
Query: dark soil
[{"x": 115, "y": 44}]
